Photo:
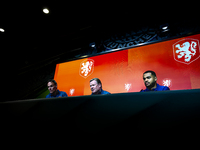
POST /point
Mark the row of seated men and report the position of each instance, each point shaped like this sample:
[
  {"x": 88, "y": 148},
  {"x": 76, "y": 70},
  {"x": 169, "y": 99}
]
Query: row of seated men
[{"x": 149, "y": 78}]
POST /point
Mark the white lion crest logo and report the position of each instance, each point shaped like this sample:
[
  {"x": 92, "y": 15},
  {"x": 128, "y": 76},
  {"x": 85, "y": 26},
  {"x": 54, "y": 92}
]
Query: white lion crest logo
[
  {"x": 127, "y": 86},
  {"x": 71, "y": 91},
  {"x": 186, "y": 50},
  {"x": 167, "y": 82},
  {"x": 86, "y": 68}
]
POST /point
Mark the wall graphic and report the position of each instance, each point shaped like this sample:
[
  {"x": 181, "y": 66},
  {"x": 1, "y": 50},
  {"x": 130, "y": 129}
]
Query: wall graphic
[{"x": 176, "y": 63}]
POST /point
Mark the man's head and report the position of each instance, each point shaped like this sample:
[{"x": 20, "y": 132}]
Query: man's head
[
  {"x": 52, "y": 86},
  {"x": 95, "y": 85},
  {"x": 150, "y": 79}
]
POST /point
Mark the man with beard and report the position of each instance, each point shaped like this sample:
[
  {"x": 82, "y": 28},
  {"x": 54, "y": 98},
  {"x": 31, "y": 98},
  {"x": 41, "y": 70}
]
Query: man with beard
[
  {"x": 53, "y": 91},
  {"x": 96, "y": 87},
  {"x": 150, "y": 79}
]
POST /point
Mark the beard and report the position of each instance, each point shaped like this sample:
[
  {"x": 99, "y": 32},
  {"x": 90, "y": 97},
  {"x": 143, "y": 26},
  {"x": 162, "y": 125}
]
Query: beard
[{"x": 150, "y": 85}]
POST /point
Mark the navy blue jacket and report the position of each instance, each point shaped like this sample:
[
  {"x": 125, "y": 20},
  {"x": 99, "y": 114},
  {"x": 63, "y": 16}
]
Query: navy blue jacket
[
  {"x": 58, "y": 94},
  {"x": 158, "y": 88},
  {"x": 102, "y": 92}
]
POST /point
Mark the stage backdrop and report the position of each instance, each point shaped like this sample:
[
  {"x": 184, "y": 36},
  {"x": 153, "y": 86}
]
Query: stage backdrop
[{"x": 176, "y": 63}]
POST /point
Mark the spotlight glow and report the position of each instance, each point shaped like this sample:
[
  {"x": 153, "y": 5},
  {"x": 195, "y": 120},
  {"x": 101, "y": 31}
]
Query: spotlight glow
[
  {"x": 2, "y": 30},
  {"x": 165, "y": 27},
  {"x": 45, "y": 10}
]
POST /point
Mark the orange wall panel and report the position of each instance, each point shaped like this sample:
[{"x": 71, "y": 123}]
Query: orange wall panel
[{"x": 122, "y": 71}]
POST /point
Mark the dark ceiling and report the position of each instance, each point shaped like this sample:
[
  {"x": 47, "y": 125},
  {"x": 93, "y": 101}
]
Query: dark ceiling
[
  {"x": 32, "y": 35},
  {"x": 35, "y": 35}
]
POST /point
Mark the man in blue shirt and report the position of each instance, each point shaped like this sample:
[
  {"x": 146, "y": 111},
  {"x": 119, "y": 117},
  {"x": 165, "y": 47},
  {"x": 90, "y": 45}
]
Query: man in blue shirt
[
  {"x": 150, "y": 79},
  {"x": 96, "y": 87},
  {"x": 53, "y": 91}
]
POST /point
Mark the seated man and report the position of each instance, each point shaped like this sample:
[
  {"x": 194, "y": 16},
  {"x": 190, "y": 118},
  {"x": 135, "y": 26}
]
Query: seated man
[
  {"x": 54, "y": 92},
  {"x": 96, "y": 87},
  {"x": 150, "y": 79}
]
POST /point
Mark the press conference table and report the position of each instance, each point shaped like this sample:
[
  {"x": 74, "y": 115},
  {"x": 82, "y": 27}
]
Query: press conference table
[{"x": 124, "y": 112}]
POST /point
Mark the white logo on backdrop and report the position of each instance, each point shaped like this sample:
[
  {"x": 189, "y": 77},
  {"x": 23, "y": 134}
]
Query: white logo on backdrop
[
  {"x": 127, "y": 86},
  {"x": 71, "y": 91},
  {"x": 86, "y": 68},
  {"x": 167, "y": 82},
  {"x": 186, "y": 50}
]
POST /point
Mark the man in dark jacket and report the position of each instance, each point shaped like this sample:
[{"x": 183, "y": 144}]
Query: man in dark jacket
[
  {"x": 96, "y": 87},
  {"x": 150, "y": 79},
  {"x": 53, "y": 91}
]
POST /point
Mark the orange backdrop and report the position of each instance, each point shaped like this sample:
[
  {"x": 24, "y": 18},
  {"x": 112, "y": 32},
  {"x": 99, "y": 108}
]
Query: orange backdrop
[{"x": 122, "y": 71}]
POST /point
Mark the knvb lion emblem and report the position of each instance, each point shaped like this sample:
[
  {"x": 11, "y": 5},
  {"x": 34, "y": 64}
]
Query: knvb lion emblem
[
  {"x": 86, "y": 68},
  {"x": 186, "y": 50},
  {"x": 167, "y": 82},
  {"x": 127, "y": 86},
  {"x": 71, "y": 91}
]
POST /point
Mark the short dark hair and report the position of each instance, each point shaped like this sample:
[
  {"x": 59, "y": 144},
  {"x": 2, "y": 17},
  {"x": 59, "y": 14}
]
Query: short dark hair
[
  {"x": 52, "y": 80},
  {"x": 96, "y": 79},
  {"x": 150, "y": 71}
]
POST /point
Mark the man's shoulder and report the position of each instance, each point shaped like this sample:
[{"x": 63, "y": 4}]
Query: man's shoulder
[
  {"x": 166, "y": 88},
  {"x": 105, "y": 92},
  {"x": 48, "y": 96},
  {"x": 143, "y": 90},
  {"x": 162, "y": 88},
  {"x": 63, "y": 93}
]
